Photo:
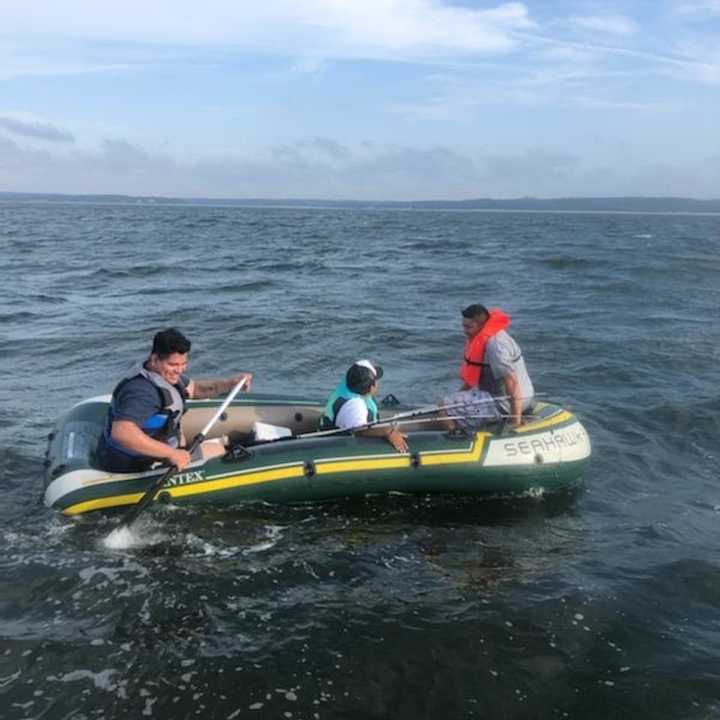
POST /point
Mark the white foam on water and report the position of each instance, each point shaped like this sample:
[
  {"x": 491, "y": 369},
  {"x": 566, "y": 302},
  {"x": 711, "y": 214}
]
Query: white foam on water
[
  {"x": 274, "y": 533},
  {"x": 102, "y": 680},
  {"x": 5, "y": 681},
  {"x": 120, "y": 539},
  {"x": 112, "y": 574},
  {"x": 58, "y": 528},
  {"x": 206, "y": 548},
  {"x": 149, "y": 702},
  {"x": 126, "y": 538}
]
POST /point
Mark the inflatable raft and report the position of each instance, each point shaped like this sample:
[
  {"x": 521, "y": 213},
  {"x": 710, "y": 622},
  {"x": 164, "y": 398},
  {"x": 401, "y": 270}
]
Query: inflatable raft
[{"x": 547, "y": 453}]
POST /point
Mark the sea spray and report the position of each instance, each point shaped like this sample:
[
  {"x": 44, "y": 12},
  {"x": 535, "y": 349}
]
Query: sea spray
[{"x": 125, "y": 538}]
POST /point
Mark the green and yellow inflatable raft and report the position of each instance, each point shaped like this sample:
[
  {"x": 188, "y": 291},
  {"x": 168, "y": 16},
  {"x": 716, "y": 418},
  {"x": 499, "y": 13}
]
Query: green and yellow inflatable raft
[{"x": 548, "y": 453}]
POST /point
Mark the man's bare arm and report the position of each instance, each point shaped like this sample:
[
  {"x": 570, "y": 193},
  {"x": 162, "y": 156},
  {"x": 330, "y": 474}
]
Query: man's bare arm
[
  {"x": 397, "y": 439},
  {"x": 512, "y": 386},
  {"x": 202, "y": 389}
]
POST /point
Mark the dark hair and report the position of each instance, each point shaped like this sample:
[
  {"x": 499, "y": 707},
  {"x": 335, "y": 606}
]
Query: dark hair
[
  {"x": 360, "y": 379},
  {"x": 475, "y": 311},
  {"x": 167, "y": 342}
]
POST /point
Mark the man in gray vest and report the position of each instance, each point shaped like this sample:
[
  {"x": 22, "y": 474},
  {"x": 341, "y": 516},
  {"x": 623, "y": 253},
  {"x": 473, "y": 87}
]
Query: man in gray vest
[{"x": 143, "y": 424}]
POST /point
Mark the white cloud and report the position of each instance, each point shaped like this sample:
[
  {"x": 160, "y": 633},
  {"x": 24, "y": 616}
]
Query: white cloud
[
  {"x": 570, "y": 56},
  {"x": 610, "y": 24},
  {"x": 686, "y": 66},
  {"x": 702, "y": 7},
  {"x": 591, "y": 65},
  {"x": 23, "y": 59},
  {"x": 30, "y": 127},
  {"x": 320, "y": 28},
  {"x": 322, "y": 168},
  {"x": 83, "y": 36},
  {"x": 598, "y": 103},
  {"x": 580, "y": 85}
]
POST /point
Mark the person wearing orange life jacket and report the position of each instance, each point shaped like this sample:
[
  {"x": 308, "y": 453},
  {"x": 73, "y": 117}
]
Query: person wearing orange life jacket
[{"x": 495, "y": 380}]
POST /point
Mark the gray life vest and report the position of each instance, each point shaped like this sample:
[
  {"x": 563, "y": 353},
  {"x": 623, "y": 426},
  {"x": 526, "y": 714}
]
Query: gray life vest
[{"x": 164, "y": 425}]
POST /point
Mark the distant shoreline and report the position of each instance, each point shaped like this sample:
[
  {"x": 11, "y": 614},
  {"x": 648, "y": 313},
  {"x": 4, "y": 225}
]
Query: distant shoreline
[{"x": 621, "y": 205}]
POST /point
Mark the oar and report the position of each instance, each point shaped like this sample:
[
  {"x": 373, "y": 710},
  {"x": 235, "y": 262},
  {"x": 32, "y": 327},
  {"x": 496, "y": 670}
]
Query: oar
[
  {"x": 404, "y": 416},
  {"x": 149, "y": 495}
]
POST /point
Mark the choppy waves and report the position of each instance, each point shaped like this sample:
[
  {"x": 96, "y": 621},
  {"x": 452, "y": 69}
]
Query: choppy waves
[{"x": 542, "y": 606}]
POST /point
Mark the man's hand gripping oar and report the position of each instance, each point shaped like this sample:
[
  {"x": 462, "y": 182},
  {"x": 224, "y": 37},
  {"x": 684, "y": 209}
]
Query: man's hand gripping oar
[{"x": 150, "y": 494}]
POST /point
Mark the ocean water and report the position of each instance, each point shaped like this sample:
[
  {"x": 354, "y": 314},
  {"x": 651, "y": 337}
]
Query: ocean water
[{"x": 601, "y": 603}]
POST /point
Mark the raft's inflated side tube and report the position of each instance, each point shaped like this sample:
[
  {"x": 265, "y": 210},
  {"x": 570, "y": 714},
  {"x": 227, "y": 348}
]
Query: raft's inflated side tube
[
  {"x": 550, "y": 453},
  {"x": 72, "y": 443}
]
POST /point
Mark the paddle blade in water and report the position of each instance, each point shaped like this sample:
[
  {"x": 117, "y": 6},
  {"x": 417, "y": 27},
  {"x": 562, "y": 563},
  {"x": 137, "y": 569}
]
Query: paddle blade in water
[{"x": 126, "y": 537}]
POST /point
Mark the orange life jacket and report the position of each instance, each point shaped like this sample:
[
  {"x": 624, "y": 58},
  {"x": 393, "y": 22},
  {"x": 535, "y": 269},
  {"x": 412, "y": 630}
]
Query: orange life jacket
[{"x": 472, "y": 366}]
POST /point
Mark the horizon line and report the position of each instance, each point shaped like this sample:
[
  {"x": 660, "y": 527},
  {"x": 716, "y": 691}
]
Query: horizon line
[{"x": 522, "y": 198}]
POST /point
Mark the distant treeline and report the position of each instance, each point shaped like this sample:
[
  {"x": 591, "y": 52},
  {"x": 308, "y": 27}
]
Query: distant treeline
[{"x": 579, "y": 204}]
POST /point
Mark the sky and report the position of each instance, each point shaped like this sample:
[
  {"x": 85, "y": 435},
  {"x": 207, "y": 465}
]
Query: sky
[{"x": 361, "y": 99}]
